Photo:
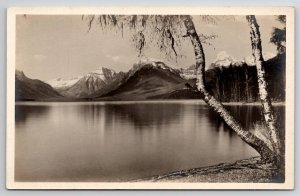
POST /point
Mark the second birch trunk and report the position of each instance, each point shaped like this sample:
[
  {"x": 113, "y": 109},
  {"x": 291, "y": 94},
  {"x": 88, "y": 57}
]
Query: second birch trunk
[
  {"x": 260, "y": 146},
  {"x": 262, "y": 85}
]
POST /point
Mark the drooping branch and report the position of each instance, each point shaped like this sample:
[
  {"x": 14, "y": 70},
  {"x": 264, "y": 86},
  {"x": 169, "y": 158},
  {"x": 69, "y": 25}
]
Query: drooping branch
[
  {"x": 171, "y": 39},
  {"x": 144, "y": 20},
  {"x": 165, "y": 31},
  {"x": 91, "y": 22},
  {"x": 133, "y": 21},
  {"x": 164, "y": 28},
  {"x": 205, "y": 39},
  {"x": 140, "y": 41}
]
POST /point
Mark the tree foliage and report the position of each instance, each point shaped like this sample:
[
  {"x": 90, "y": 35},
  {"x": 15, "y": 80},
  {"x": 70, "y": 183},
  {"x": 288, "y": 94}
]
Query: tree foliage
[
  {"x": 278, "y": 36},
  {"x": 166, "y": 32}
]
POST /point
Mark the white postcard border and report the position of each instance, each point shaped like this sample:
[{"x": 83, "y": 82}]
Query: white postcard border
[{"x": 290, "y": 93}]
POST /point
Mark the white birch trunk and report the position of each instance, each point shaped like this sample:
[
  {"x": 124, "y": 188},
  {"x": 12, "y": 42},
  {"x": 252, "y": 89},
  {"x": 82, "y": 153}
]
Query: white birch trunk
[{"x": 262, "y": 85}]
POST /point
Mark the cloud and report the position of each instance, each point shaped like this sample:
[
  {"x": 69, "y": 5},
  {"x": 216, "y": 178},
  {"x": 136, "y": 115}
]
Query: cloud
[{"x": 112, "y": 57}]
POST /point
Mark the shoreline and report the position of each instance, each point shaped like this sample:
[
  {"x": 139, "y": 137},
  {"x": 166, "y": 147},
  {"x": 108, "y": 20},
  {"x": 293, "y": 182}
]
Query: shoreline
[
  {"x": 187, "y": 101},
  {"x": 279, "y": 103},
  {"x": 242, "y": 171}
]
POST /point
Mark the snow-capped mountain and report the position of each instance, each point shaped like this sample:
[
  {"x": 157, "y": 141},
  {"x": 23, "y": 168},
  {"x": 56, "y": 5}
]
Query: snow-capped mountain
[
  {"x": 155, "y": 63},
  {"x": 249, "y": 60},
  {"x": 103, "y": 80},
  {"x": 62, "y": 83},
  {"x": 93, "y": 82},
  {"x": 225, "y": 60},
  {"x": 149, "y": 79},
  {"x": 84, "y": 86},
  {"x": 102, "y": 73},
  {"x": 153, "y": 79}
]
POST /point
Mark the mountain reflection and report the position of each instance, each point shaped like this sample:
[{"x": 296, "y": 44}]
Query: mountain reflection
[
  {"x": 138, "y": 115},
  {"x": 248, "y": 116},
  {"x": 101, "y": 141},
  {"x": 23, "y": 112}
]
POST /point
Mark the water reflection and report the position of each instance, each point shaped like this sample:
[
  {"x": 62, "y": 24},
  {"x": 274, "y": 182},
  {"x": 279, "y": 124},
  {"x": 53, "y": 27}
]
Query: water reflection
[
  {"x": 117, "y": 142},
  {"x": 140, "y": 115},
  {"x": 250, "y": 116},
  {"x": 24, "y": 112}
]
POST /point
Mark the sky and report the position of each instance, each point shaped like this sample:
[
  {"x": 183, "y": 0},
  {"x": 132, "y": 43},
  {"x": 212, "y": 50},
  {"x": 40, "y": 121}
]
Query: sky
[{"x": 49, "y": 47}]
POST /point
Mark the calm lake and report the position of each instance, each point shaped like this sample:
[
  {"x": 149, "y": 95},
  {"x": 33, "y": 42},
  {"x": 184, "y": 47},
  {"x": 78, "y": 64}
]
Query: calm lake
[{"x": 120, "y": 141}]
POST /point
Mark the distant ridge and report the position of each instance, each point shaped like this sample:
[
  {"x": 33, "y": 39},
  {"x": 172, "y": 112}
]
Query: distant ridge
[
  {"x": 153, "y": 79},
  {"x": 149, "y": 80},
  {"x": 28, "y": 89}
]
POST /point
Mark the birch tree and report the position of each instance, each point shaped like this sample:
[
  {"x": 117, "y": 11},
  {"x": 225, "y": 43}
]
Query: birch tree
[
  {"x": 265, "y": 99},
  {"x": 168, "y": 31}
]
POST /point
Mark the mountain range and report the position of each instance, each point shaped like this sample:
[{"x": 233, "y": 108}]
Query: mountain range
[
  {"x": 225, "y": 60},
  {"x": 148, "y": 80},
  {"x": 153, "y": 79},
  {"x": 95, "y": 83}
]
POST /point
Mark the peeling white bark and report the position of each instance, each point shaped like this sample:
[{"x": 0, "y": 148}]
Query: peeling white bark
[{"x": 262, "y": 84}]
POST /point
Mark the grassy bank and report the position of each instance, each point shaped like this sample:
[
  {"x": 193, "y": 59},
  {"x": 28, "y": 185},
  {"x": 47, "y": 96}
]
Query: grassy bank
[{"x": 246, "y": 170}]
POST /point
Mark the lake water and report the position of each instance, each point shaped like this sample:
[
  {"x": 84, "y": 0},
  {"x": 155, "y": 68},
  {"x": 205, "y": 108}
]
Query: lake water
[{"x": 120, "y": 141}]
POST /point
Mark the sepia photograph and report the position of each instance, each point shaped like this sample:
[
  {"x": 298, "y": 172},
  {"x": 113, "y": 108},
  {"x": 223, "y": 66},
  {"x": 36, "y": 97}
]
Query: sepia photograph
[{"x": 150, "y": 98}]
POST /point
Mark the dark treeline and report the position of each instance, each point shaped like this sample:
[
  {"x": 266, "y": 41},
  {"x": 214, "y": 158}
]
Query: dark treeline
[{"x": 239, "y": 83}]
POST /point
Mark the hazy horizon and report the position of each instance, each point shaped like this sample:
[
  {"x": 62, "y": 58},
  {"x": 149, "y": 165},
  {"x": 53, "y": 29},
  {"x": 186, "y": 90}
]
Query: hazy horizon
[{"x": 49, "y": 47}]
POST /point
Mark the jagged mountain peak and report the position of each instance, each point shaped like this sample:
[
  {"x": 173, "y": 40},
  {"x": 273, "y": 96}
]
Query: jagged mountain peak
[
  {"x": 90, "y": 83},
  {"x": 155, "y": 63},
  {"x": 249, "y": 60},
  {"x": 224, "y": 55},
  {"x": 99, "y": 70},
  {"x": 148, "y": 78},
  {"x": 102, "y": 73},
  {"x": 63, "y": 82},
  {"x": 102, "y": 70},
  {"x": 224, "y": 59}
]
